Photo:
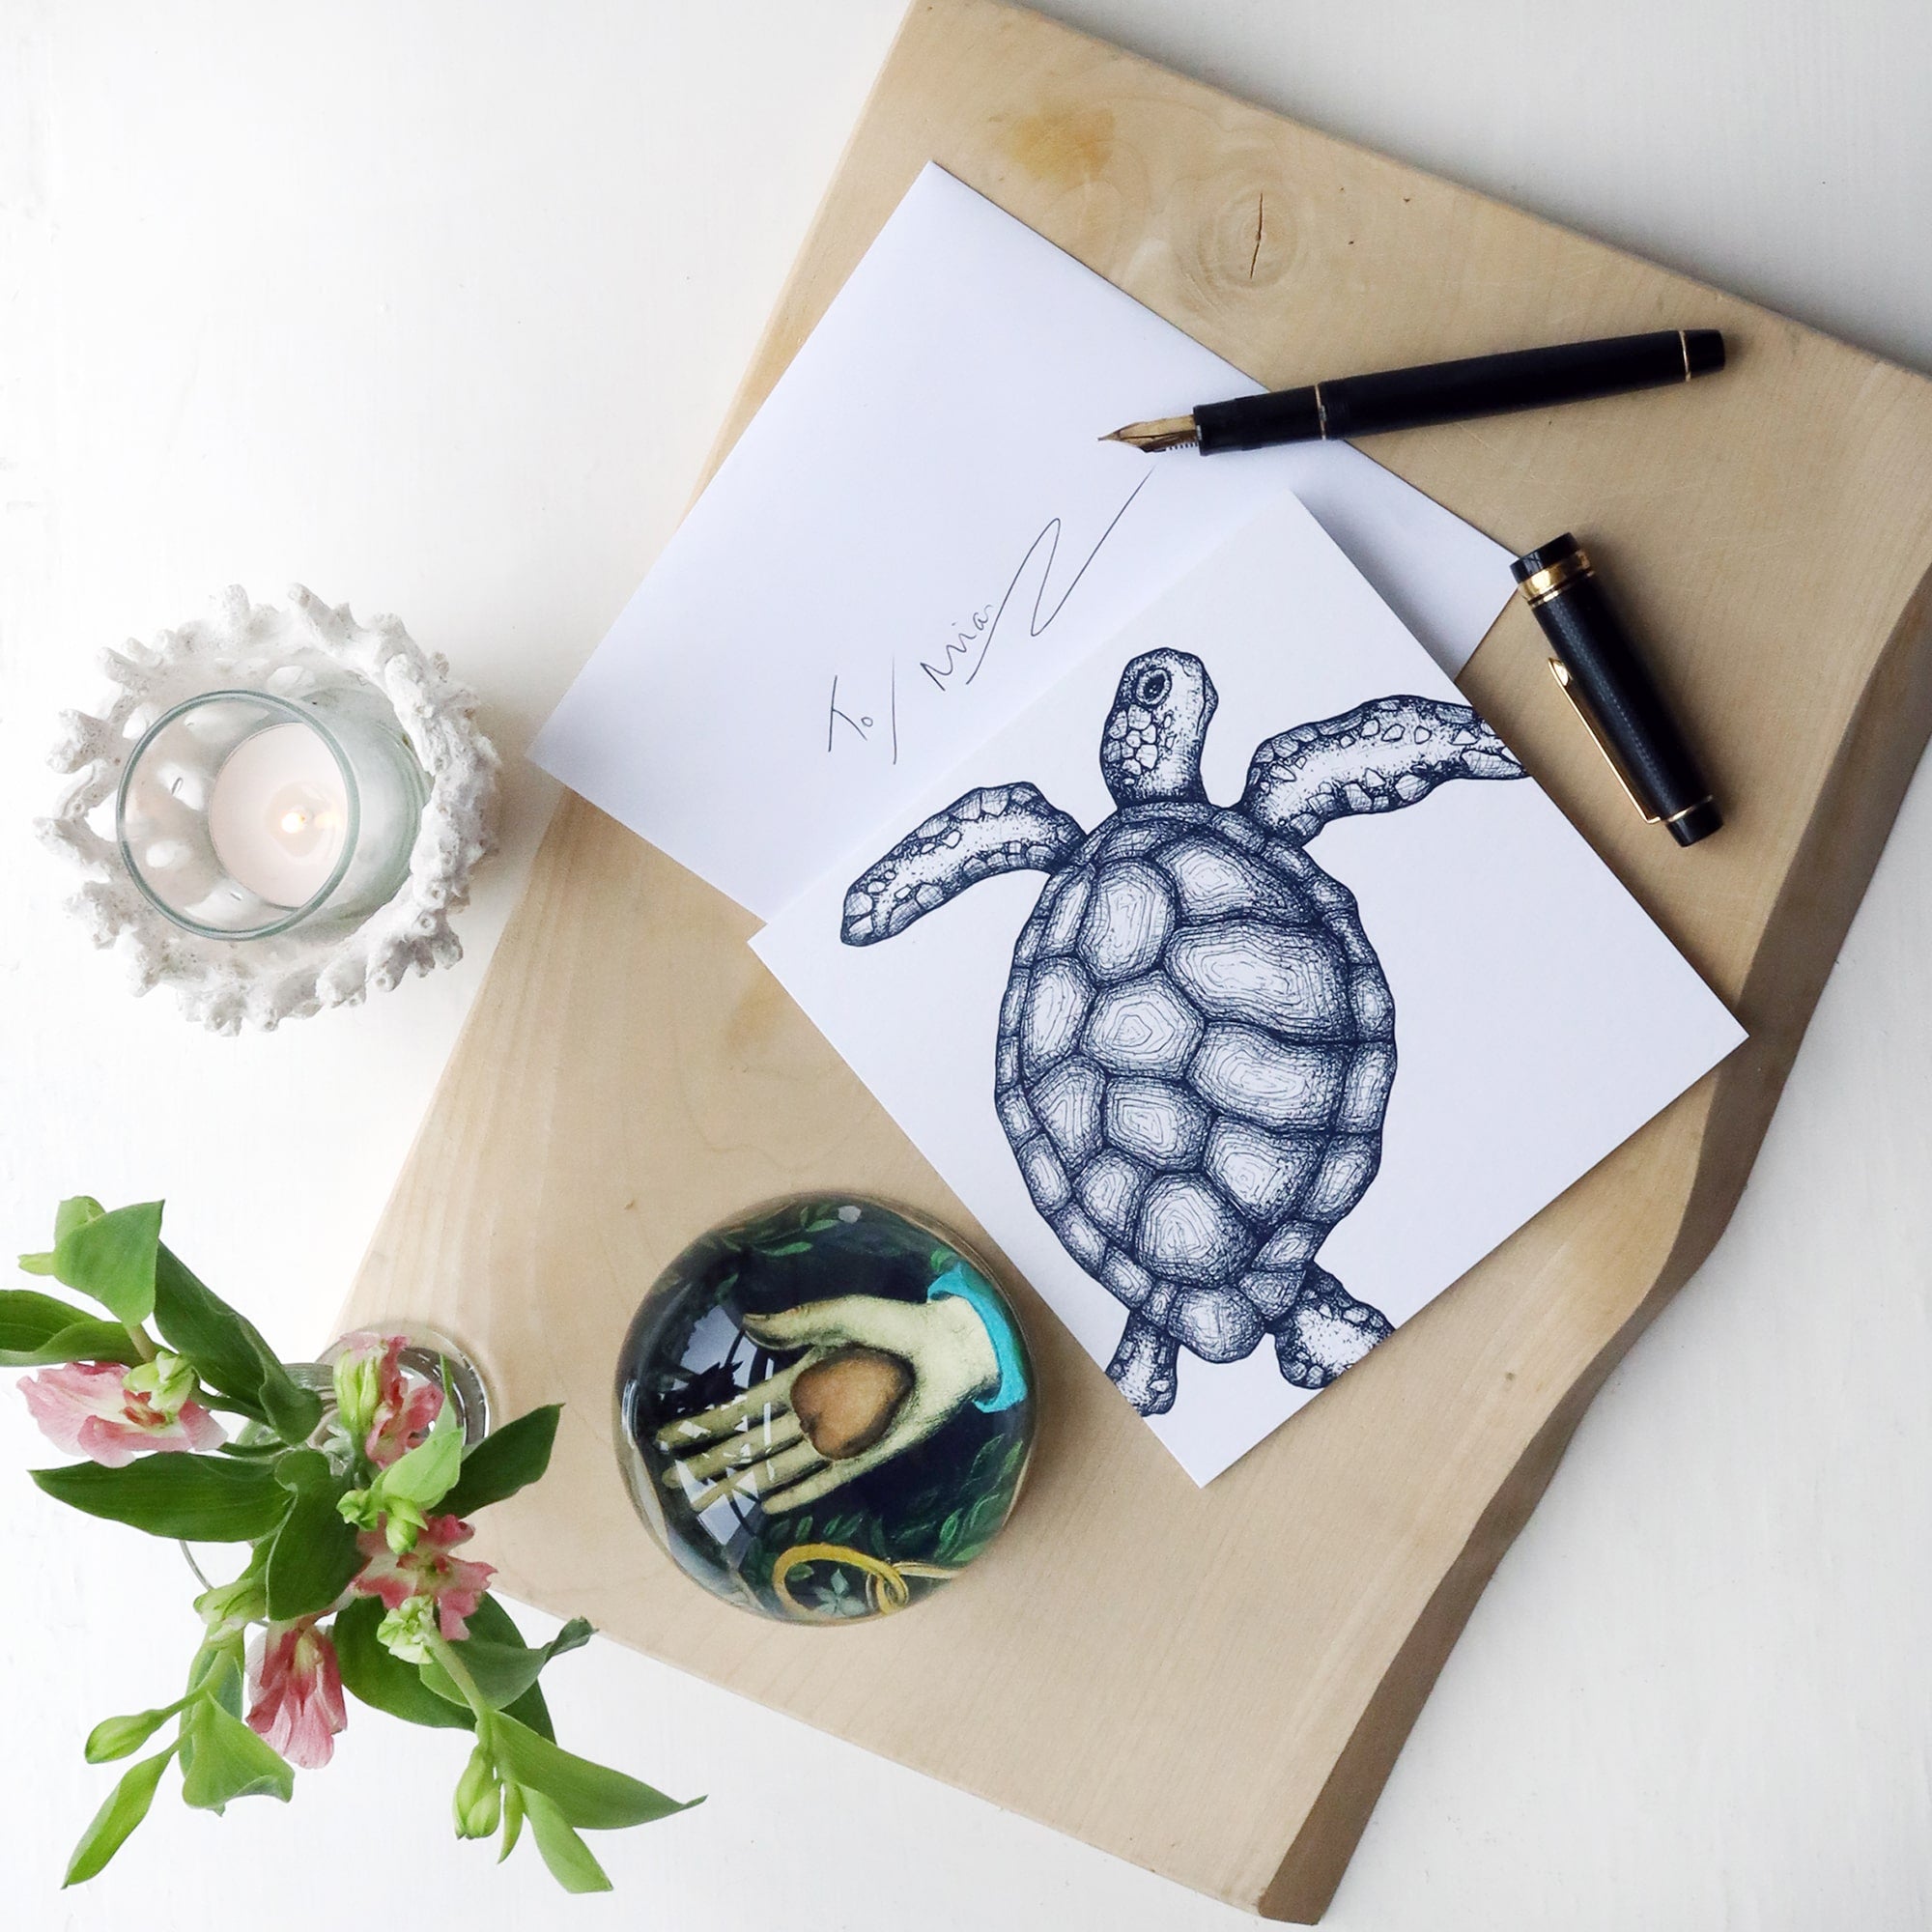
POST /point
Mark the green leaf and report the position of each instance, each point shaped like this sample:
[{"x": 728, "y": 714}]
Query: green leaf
[
  {"x": 214, "y": 1676},
  {"x": 426, "y": 1474},
  {"x": 503, "y": 1671},
  {"x": 574, "y": 1636},
  {"x": 513, "y": 1820},
  {"x": 569, "y": 1859},
  {"x": 73, "y": 1212},
  {"x": 121, "y": 1737},
  {"x": 491, "y": 1621},
  {"x": 589, "y": 1795},
  {"x": 37, "y": 1331},
  {"x": 229, "y": 1761},
  {"x": 385, "y": 1681},
  {"x": 228, "y": 1352},
  {"x": 504, "y": 1462},
  {"x": 28, "y": 1318},
  {"x": 195, "y": 1498},
  {"x": 111, "y": 1257},
  {"x": 436, "y": 1678},
  {"x": 114, "y": 1822},
  {"x": 303, "y": 1470},
  {"x": 313, "y": 1558},
  {"x": 294, "y": 1413}
]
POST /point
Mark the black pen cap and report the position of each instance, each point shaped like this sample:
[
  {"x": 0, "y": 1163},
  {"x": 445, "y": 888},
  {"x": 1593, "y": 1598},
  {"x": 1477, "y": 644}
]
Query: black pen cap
[{"x": 1602, "y": 673}]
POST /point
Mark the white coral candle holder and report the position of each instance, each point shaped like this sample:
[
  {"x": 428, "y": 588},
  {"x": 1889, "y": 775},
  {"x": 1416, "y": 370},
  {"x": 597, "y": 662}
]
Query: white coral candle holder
[{"x": 291, "y": 656}]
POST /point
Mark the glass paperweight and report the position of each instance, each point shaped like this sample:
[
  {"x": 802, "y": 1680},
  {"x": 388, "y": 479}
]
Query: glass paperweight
[{"x": 824, "y": 1410}]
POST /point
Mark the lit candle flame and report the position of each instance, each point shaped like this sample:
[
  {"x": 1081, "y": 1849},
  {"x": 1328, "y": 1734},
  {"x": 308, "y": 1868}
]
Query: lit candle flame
[{"x": 293, "y": 821}]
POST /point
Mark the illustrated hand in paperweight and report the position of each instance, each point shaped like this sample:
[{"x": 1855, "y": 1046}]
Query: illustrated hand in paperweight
[
  {"x": 824, "y": 1409},
  {"x": 877, "y": 1377}
]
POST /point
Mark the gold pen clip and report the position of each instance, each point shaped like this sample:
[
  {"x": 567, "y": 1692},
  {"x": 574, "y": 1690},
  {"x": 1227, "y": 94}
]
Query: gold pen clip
[{"x": 1560, "y": 672}]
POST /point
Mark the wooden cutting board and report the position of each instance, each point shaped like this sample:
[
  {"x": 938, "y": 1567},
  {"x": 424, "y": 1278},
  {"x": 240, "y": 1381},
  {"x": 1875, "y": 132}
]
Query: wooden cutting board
[{"x": 1215, "y": 1684}]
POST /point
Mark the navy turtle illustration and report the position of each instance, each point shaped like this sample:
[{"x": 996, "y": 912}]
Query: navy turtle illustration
[{"x": 1196, "y": 1044}]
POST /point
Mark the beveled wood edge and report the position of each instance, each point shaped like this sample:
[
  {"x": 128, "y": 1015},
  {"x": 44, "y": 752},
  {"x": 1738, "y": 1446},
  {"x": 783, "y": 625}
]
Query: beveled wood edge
[{"x": 1823, "y": 888}]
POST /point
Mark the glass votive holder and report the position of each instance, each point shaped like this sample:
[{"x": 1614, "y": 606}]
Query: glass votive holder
[{"x": 241, "y": 814}]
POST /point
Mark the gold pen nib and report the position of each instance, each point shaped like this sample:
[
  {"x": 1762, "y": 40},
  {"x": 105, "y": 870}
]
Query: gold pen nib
[{"x": 1164, "y": 433}]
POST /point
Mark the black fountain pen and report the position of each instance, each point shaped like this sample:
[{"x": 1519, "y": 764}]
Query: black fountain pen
[
  {"x": 1593, "y": 659},
  {"x": 1481, "y": 385}
]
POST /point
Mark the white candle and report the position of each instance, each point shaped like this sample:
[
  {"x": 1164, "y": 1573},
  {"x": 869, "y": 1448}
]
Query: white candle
[{"x": 278, "y": 813}]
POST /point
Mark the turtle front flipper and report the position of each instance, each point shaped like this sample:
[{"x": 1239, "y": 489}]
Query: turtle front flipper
[
  {"x": 993, "y": 830},
  {"x": 1378, "y": 758},
  {"x": 1143, "y": 1366},
  {"x": 1326, "y": 1331}
]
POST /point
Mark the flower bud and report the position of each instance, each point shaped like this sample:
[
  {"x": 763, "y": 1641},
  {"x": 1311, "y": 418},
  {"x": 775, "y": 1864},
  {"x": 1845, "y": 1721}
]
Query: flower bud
[
  {"x": 229, "y": 1609},
  {"x": 358, "y": 1388},
  {"x": 167, "y": 1381},
  {"x": 402, "y": 1524},
  {"x": 479, "y": 1797},
  {"x": 407, "y": 1630}
]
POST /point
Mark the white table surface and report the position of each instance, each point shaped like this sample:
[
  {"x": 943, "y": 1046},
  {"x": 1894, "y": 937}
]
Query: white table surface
[{"x": 435, "y": 308}]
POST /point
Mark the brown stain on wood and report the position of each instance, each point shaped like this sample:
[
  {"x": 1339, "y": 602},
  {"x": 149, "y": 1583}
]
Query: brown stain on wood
[{"x": 1064, "y": 147}]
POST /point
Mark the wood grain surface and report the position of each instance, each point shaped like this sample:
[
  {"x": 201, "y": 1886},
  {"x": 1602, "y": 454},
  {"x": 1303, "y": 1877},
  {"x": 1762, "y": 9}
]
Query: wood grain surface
[{"x": 1215, "y": 1684}]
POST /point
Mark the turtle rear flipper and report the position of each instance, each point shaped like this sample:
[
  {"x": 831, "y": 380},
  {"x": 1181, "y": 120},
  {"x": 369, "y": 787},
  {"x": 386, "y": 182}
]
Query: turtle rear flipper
[
  {"x": 1378, "y": 758},
  {"x": 992, "y": 830},
  {"x": 1326, "y": 1331},
  {"x": 1143, "y": 1367}
]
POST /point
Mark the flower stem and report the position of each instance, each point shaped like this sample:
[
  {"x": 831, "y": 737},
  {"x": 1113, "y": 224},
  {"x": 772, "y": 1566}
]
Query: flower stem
[
  {"x": 142, "y": 1340},
  {"x": 445, "y": 1653}
]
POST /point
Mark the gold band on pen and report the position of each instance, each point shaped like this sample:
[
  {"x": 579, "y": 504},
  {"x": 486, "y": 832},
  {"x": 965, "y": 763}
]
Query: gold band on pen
[
  {"x": 1543, "y": 584},
  {"x": 1688, "y": 810},
  {"x": 1560, "y": 672}
]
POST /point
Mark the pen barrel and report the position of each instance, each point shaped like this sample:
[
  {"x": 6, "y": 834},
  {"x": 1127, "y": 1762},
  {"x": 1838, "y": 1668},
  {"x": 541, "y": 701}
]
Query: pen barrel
[
  {"x": 1607, "y": 676},
  {"x": 1258, "y": 422},
  {"x": 1524, "y": 378}
]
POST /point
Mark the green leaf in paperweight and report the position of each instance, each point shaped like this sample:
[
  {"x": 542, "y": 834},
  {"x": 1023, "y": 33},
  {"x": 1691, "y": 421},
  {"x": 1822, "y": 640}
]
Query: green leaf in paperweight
[{"x": 193, "y": 1499}]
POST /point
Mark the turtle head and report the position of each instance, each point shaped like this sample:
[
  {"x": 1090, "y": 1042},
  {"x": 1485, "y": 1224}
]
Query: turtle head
[{"x": 1151, "y": 747}]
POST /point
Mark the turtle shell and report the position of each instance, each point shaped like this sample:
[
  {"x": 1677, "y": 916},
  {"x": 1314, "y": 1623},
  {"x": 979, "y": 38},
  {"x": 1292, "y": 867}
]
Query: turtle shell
[{"x": 1195, "y": 1053}]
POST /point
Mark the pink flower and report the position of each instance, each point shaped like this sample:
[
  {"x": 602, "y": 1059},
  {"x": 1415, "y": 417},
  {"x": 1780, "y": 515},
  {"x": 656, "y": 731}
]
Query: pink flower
[
  {"x": 297, "y": 1686},
  {"x": 380, "y": 1402},
  {"x": 88, "y": 1410},
  {"x": 452, "y": 1584}
]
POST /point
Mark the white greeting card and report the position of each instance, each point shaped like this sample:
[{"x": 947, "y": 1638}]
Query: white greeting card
[
  {"x": 921, "y": 531},
  {"x": 1245, "y": 988}
]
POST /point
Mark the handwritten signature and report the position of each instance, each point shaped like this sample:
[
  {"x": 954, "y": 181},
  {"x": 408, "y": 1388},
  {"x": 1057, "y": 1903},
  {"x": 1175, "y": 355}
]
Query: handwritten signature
[{"x": 973, "y": 641}]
